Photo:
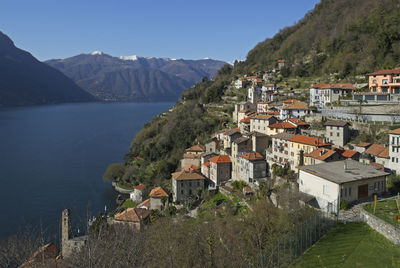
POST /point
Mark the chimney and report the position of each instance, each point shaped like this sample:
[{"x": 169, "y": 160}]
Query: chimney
[
  {"x": 321, "y": 152},
  {"x": 345, "y": 165}
]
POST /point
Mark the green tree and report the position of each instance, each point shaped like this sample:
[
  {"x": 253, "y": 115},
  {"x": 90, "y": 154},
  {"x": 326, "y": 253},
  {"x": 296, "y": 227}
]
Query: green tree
[{"x": 114, "y": 172}]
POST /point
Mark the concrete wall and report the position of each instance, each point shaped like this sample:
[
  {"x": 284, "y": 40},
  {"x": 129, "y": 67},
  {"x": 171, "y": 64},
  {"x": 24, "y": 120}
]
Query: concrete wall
[{"x": 382, "y": 227}]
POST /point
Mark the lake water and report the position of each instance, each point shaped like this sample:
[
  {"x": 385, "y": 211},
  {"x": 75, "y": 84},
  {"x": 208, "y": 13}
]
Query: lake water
[{"x": 53, "y": 157}]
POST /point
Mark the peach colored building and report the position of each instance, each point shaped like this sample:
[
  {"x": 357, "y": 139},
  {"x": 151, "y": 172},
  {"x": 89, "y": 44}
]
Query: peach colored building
[{"x": 385, "y": 81}]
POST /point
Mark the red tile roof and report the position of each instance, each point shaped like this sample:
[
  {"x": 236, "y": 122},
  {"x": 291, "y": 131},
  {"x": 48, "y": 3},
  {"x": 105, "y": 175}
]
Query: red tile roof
[
  {"x": 158, "y": 192},
  {"x": 140, "y": 187},
  {"x": 395, "y": 131},
  {"x": 220, "y": 159},
  {"x": 245, "y": 120},
  {"x": 290, "y": 101},
  {"x": 299, "y": 105},
  {"x": 263, "y": 117},
  {"x": 283, "y": 125},
  {"x": 145, "y": 203},
  {"x": 346, "y": 86},
  {"x": 184, "y": 176},
  {"x": 314, "y": 141},
  {"x": 297, "y": 121},
  {"x": 383, "y": 72},
  {"x": 363, "y": 144},
  {"x": 348, "y": 153},
  {"x": 281, "y": 61},
  {"x": 132, "y": 215},
  {"x": 321, "y": 154},
  {"x": 191, "y": 168},
  {"x": 252, "y": 156},
  {"x": 196, "y": 148},
  {"x": 375, "y": 149}
]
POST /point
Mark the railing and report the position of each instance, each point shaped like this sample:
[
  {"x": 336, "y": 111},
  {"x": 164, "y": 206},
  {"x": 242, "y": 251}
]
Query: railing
[{"x": 291, "y": 246}]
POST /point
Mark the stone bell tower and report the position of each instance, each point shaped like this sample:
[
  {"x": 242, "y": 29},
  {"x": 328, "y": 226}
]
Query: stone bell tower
[{"x": 65, "y": 231}]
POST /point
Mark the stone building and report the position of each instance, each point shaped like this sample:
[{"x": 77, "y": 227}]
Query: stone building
[
  {"x": 337, "y": 132},
  {"x": 132, "y": 217},
  {"x": 69, "y": 242},
  {"x": 185, "y": 185},
  {"x": 220, "y": 170},
  {"x": 252, "y": 167},
  {"x": 158, "y": 198}
]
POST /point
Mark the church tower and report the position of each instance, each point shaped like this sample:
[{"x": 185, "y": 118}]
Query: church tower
[{"x": 65, "y": 230}]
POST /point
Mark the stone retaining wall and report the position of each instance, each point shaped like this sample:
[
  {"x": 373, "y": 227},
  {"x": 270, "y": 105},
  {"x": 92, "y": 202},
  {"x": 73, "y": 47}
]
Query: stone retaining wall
[{"x": 386, "y": 229}]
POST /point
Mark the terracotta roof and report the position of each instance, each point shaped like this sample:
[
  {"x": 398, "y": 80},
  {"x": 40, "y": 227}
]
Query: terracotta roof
[
  {"x": 232, "y": 131},
  {"x": 290, "y": 101},
  {"x": 274, "y": 113},
  {"x": 363, "y": 144},
  {"x": 385, "y": 153},
  {"x": 221, "y": 159},
  {"x": 245, "y": 120},
  {"x": 183, "y": 176},
  {"x": 321, "y": 154},
  {"x": 256, "y": 134},
  {"x": 132, "y": 215},
  {"x": 262, "y": 117},
  {"x": 252, "y": 156},
  {"x": 207, "y": 164},
  {"x": 314, "y": 141},
  {"x": 297, "y": 121},
  {"x": 191, "y": 168},
  {"x": 196, "y": 148},
  {"x": 395, "y": 131},
  {"x": 158, "y": 192},
  {"x": 296, "y": 106},
  {"x": 348, "y": 153},
  {"x": 346, "y": 86},
  {"x": 336, "y": 123},
  {"x": 318, "y": 85},
  {"x": 377, "y": 150},
  {"x": 247, "y": 189},
  {"x": 145, "y": 203},
  {"x": 283, "y": 125},
  {"x": 281, "y": 61},
  {"x": 192, "y": 156},
  {"x": 140, "y": 187},
  {"x": 390, "y": 71},
  {"x": 261, "y": 102}
]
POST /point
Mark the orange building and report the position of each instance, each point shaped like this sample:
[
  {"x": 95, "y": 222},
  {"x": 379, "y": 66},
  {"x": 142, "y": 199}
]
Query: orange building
[{"x": 385, "y": 81}]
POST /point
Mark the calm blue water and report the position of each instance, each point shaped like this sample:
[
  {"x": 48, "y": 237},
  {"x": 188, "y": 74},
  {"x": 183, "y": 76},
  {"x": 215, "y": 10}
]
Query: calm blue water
[{"x": 53, "y": 157}]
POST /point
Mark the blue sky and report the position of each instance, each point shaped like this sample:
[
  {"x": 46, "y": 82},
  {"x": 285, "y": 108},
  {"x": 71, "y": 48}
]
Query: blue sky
[{"x": 219, "y": 29}]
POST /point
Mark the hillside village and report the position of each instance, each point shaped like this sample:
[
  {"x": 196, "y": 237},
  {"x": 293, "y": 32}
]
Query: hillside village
[{"x": 281, "y": 145}]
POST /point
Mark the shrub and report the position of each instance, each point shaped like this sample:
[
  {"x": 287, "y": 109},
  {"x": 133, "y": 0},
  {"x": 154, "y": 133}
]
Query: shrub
[
  {"x": 343, "y": 205},
  {"x": 238, "y": 185}
]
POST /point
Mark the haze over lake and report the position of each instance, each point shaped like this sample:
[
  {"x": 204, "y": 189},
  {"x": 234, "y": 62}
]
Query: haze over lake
[{"x": 53, "y": 157}]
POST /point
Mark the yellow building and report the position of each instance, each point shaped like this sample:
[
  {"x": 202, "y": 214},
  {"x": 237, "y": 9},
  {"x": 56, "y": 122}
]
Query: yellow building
[{"x": 307, "y": 145}]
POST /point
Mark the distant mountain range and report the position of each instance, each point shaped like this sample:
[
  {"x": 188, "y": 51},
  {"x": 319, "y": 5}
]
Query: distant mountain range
[
  {"x": 26, "y": 81},
  {"x": 133, "y": 78}
]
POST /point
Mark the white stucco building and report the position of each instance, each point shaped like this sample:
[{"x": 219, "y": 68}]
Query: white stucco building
[
  {"x": 394, "y": 150},
  {"x": 333, "y": 182}
]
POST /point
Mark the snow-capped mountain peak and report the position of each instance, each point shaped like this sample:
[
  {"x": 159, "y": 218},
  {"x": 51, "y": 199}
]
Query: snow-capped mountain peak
[
  {"x": 97, "y": 53},
  {"x": 133, "y": 57}
]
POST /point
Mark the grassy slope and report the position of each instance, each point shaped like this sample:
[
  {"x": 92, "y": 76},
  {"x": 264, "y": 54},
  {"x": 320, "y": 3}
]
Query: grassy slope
[
  {"x": 385, "y": 210},
  {"x": 351, "y": 245}
]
